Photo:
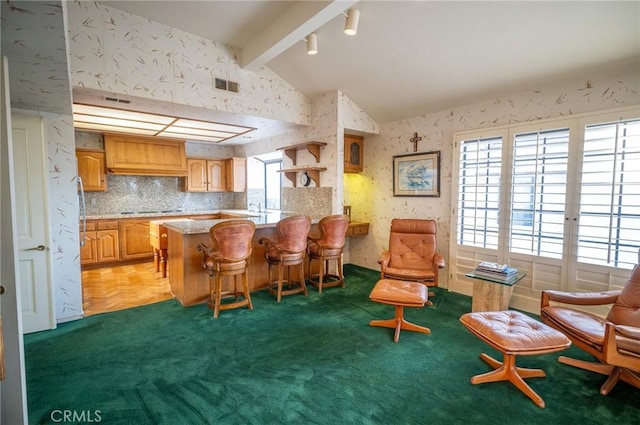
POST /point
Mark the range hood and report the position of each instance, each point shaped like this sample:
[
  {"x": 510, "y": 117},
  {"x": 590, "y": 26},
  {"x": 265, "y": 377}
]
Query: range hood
[{"x": 145, "y": 156}]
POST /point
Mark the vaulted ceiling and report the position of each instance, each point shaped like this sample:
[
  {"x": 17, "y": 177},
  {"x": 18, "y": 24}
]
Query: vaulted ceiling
[{"x": 408, "y": 58}]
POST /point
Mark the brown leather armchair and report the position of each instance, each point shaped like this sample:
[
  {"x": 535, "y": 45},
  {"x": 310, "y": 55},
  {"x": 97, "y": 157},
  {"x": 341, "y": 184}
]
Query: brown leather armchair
[
  {"x": 412, "y": 253},
  {"x": 613, "y": 341}
]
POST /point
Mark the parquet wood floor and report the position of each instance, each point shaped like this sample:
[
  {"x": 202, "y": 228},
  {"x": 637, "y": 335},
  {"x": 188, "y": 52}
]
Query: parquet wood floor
[{"x": 109, "y": 289}]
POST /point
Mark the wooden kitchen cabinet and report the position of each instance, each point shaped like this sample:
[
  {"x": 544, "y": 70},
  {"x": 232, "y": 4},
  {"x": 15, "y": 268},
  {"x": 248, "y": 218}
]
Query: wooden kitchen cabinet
[
  {"x": 91, "y": 168},
  {"x": 145, "y": 156},
  {"x": 236, "y": 174},
  {"x": 205, "y": 175},
  {"x": 353, "y": 153},
  {"x": 134, "y": 239},
  {"x": 101, "y": 242}
]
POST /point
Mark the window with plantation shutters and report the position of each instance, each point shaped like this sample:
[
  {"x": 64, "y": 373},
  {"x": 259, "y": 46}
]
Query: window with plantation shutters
[
  {"x": 479, "y": 192},
  {"x": 609, "y": 220},
  {"x": 538, "y": 192}
]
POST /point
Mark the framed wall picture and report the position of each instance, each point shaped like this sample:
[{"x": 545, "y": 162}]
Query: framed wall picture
[{"x": 417, "y": 174}]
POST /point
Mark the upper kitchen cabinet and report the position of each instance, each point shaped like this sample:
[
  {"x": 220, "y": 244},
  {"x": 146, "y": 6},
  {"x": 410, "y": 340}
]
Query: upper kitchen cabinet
[
  {"x": 145, "y": 156},
  {"x": 236, "y": 174},
  {"x": 353, "y": 153},
  {"x": 91, "y": 168},
  {"x": 205, "y": 175}
]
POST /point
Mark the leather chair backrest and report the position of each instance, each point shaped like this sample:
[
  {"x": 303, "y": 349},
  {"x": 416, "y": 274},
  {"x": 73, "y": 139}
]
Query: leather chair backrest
[
  {"x": 232, "y": 239},
  {"x": 293, "y": 232},
  {"x": 412, "y": 243},
  {"x": 333, "y": 230},
  {"x": 626, "y": 310}
]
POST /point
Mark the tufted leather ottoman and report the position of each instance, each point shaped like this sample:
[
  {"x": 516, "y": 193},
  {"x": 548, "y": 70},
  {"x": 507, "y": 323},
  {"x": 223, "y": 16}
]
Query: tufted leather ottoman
[
  {"x": 399, "y": 294},
  {"x": 513, "y": 333}
]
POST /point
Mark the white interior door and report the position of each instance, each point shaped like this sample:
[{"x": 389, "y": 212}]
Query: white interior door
[
  {"x": 13, "y": 397},
  {"x": 32, "y": 220}
]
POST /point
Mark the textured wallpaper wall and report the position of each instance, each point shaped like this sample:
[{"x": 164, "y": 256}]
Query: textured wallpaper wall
[
  {"x": 371, "y": 194},
  {"x": 117, "y": 52}
]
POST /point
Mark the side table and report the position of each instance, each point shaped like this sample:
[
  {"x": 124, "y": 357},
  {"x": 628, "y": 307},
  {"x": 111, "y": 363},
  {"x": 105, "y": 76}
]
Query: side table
[{"x": 491, "y": 294}]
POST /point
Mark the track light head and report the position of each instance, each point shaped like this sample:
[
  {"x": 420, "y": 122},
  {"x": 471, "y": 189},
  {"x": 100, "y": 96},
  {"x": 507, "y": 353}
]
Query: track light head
[
  {"x": 312, "y": 43},
  {"x": 351, "y": 25}
]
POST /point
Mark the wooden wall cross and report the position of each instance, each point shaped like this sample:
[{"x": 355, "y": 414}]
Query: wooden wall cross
[{"x": 415, "y": 139}]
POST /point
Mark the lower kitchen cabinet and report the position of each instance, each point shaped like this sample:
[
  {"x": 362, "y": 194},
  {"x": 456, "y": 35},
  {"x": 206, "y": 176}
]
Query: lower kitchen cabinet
[
  {"x": 101, "y": 244},
  {"x": 134, "y": 239}
]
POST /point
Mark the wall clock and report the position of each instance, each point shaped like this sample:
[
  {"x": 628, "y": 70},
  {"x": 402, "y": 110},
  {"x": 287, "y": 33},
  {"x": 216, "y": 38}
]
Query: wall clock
[{"x": 305, "y": 180}]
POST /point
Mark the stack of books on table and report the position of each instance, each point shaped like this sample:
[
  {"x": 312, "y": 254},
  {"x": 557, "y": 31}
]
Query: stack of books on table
[{"x": 496, "y": 271}]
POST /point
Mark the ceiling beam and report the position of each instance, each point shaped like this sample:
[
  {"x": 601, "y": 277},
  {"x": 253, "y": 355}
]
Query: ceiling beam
[{"x": 303, "y": 18}]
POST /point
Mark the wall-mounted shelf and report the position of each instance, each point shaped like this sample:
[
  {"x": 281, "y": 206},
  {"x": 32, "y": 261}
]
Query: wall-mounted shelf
[
  {"x": 312, "y": 147},
  {"x": 312, "y": 172}
]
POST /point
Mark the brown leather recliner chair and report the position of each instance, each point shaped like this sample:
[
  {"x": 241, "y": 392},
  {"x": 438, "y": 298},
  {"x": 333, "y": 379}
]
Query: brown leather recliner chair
[
  {"x": 412, "y": 253},
  {"x": 613, "y": 341}
]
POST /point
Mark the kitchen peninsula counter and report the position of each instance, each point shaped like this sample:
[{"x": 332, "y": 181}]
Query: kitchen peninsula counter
[{"x": 188, "y": 279}]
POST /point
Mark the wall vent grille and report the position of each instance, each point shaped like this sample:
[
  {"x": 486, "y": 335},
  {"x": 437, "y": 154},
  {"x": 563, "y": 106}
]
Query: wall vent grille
[
  {"x": 227, "y": 85},
  {"x": 115, "y": 99}
]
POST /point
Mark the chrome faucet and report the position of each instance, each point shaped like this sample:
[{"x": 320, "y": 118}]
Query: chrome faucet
[{"x": 254, "y": 205}]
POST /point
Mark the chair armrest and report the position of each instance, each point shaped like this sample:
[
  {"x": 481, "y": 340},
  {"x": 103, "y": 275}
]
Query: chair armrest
[
  {"x": 621, "y": 345},
  {"x": 204, "y": 249},
  {"x": 579, "y": 298},
  {"x": 384, "y": 259},
  {"x": 628, "y": 331},
  {"x": 438, "y": 261},
  {"x": 266, "y": 241}
]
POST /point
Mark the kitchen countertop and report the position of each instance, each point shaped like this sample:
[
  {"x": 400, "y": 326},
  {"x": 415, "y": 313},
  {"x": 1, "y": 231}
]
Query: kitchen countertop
[
  {"x": 189, "y": 226},
  {"x": 168, "y": 213}
]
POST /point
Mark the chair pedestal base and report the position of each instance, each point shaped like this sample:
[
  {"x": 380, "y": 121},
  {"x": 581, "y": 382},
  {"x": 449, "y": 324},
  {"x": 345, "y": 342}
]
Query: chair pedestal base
[
  {"x": 615, "y": 373},
  {"x": 398, "y": 323},
  {"x": 508, "y": 371}
]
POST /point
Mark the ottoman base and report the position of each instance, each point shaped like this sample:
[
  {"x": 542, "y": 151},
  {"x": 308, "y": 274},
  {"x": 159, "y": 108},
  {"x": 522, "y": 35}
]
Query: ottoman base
[
  {"x": 513, "y": 333},
  {"x": 400, "y": 294},
  {"x": 508, "y": 371},
  {"x": 398, "y": 323}
]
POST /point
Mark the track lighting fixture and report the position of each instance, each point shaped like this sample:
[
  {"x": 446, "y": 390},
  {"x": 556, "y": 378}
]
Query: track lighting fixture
[
  {"x": 351, "y": 25},
  {"x": 312, "y": 43}
]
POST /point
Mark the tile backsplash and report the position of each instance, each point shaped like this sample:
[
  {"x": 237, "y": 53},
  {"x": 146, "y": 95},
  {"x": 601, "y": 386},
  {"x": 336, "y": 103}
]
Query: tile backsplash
[{"x": 150, "y": 193}]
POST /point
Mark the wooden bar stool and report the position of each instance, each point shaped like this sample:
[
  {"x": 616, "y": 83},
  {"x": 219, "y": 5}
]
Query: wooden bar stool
[
  {"x": 287, "y": 250},
  {"x": 328, "y": 247},
  {"x": 228, "y": 258}
]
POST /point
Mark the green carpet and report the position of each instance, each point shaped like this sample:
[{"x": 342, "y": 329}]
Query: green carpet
[{"x": 306, "y": 360}]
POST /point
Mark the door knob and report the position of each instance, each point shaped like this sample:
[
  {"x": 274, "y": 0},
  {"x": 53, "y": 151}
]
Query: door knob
[{"x": 37, "y": 248}]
